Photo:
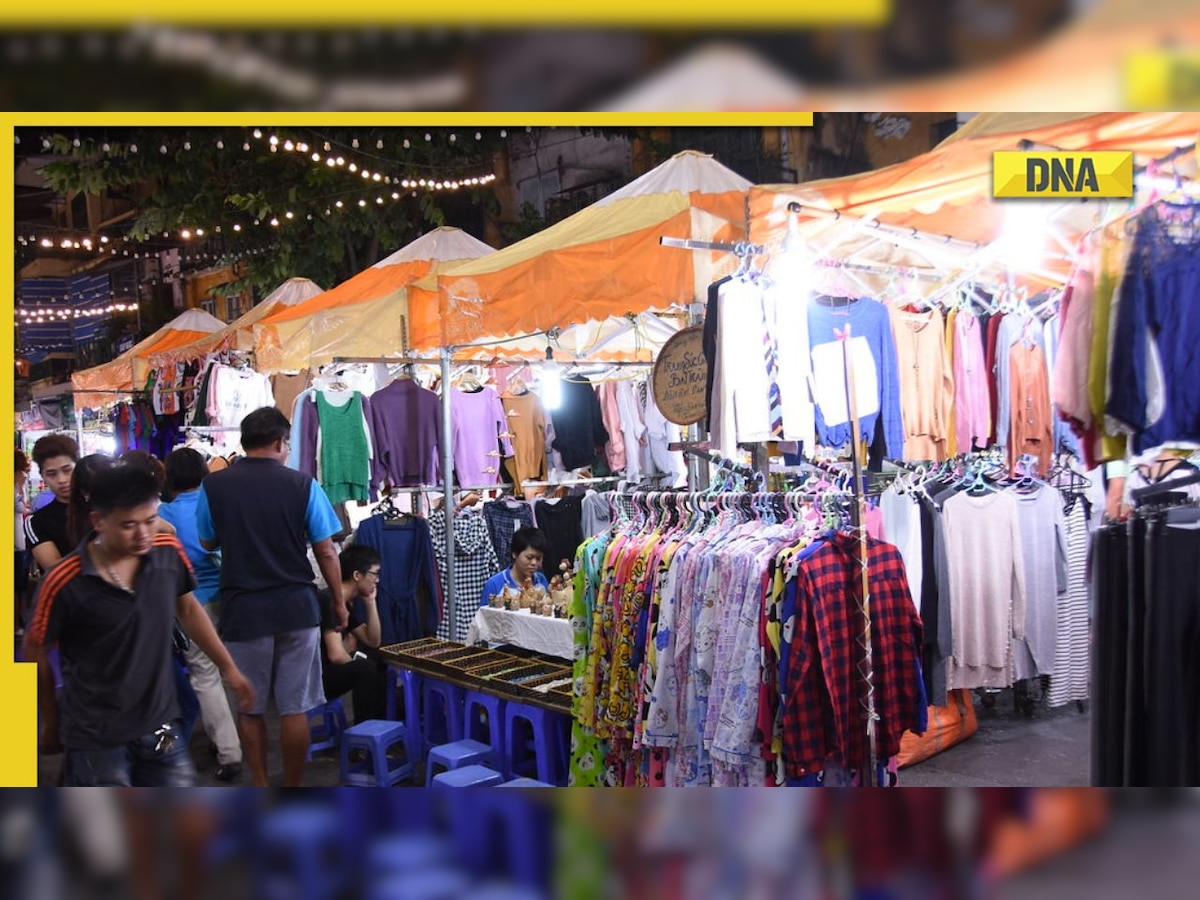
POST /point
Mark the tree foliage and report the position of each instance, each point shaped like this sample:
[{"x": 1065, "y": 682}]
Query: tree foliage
[{"x": 340, "y": 222}]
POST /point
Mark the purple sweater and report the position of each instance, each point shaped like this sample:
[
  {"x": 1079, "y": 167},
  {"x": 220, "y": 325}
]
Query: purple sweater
[
  {"x": 405, "y": 432},
  {"x": 478, "y": 420}
]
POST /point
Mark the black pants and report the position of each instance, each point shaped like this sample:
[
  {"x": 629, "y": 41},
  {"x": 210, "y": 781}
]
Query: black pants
[
  {"x": 1172, "y": 659},
  {"x": 365, "y": 679},
  {"x": 1110, "y": 639}
]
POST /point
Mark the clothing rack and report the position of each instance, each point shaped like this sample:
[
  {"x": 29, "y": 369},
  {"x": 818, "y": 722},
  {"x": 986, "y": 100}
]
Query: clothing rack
[
  {"x": 1165, "y": 487},
  {"x": 574, "y": 482},
  {"x": 722, "y": 462}
]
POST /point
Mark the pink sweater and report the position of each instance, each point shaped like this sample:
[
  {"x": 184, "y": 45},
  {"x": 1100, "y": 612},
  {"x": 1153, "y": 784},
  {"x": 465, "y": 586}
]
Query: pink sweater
[{"x": 972, "y": 405}]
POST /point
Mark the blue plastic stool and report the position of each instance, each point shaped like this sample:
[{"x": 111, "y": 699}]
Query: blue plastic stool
[
  {"x": 376, "y": 737},
  {"x": 409, "y": 682},
  {"x": 504, "y": 891},
  {"x": 483, "y": 719},
  {"x": 468, "y": 776},
  {"x": 404, "y": 854},
  {"x": 435, "y": 884},
  {"x": 504, "y": 835},
  {"x": 441, "y": 713},
  {"x": 325, "y": 726},
  {"x": 301, "y": 855},
  {"x": 550, "y": 743},
  {"x": 458, "y": 754},
  {"x": 526, "y": 783}
]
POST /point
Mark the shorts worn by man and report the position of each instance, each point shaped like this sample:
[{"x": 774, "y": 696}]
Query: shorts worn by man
[
  {"x": 109, "y": 605},
  {"x": 263, "y": 515}
]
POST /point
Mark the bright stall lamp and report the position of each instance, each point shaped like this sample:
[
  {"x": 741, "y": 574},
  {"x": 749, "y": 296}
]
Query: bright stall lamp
[
  {"x": 551, "y": 382},
  {"x": 1026, "y": 230}
]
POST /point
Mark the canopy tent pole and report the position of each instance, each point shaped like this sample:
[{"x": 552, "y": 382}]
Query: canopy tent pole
[{"x": 451, "y": 602}]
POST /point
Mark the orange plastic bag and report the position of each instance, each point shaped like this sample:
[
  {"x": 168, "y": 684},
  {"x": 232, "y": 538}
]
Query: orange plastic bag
[{"x": 948, "y": 725}]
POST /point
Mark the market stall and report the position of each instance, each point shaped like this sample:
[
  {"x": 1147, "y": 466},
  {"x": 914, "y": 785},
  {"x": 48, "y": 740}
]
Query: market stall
[
  {"x": 365, "y": 315},
  {"x": 127, "y": 373},
  {"x": 238, "y": 335}
]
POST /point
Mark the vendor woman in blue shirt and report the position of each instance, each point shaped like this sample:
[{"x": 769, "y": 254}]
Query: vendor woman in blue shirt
[{"x": 528, "y": 551}]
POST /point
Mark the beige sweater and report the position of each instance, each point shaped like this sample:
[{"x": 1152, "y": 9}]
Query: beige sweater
[
  {"x": 986, "y": 575},
  {"x": 926, "y": 383}
]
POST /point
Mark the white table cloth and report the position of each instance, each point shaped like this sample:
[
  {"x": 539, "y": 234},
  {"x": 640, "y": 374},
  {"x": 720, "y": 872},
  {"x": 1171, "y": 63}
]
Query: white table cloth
[{"x": 542, "y": 634}]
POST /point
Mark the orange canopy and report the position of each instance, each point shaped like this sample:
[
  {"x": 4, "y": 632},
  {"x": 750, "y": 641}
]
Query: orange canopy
[
  {"x": 239, "y": 334},
  {"x": 603, "y": 261},
  {"x": 99, "y": 385},
  {"x": 947, "y": 191},
  {"x": 364, "y": 315}
]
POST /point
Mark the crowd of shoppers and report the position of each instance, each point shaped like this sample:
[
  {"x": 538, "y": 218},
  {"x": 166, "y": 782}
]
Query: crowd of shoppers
[{"x": 167, "y": 593}]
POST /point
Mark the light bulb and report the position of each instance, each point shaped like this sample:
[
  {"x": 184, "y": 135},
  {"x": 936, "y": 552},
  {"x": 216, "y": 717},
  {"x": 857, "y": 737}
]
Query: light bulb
[
  {"x": 237, "y": 226},
  {"x": 187, "y": 145},
  {"x": 200, "y": 232},
  {"x": 185, "y": 234},
  {"x": 288, "y": 145},
  {"x": 246, "y": 145},
  {"x": 220, "y": 144},
  {"x": 354, "y": 143},
  {"x": 352, "y": 167},
  {"x": 379, "y": 144},
  {"x": 316, "y": 157},
  {"x": 406, "y": 144},
  {"x": 290, "y": 214},
  {"x": 133, "y": 148},
  {"x": 257, "y": 133}
]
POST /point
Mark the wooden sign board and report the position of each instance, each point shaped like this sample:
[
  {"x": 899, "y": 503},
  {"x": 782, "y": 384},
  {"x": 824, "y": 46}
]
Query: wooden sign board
[{"x": 681, "y": 377}]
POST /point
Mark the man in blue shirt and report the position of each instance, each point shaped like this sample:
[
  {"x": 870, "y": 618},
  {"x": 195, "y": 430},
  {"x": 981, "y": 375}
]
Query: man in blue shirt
[
  {"x": 186, "y": 469},
  {"x": 528, "y": 551},
  {"x": 263, "y": 515}
]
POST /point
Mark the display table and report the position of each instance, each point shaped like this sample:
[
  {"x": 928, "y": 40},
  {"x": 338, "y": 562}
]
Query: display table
[{"x": 542, "y": 634}]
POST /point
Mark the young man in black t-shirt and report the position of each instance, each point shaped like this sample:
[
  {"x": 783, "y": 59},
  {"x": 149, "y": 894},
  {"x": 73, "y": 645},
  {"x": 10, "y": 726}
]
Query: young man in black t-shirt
[
  {"x": 109, "y": 606},
  {"x": 342, "y": 668},
  {"x": 46, "y": 530}
]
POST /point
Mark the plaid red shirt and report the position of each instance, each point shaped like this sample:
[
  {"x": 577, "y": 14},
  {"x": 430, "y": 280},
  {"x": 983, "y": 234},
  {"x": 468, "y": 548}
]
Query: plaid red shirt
[{"x": 823, "y": 706}]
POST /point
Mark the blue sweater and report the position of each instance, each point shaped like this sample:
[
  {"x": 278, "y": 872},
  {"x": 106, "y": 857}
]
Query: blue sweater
[
  {"x": 868, "y": 319},
  {"x": 1158, "y": 303}
]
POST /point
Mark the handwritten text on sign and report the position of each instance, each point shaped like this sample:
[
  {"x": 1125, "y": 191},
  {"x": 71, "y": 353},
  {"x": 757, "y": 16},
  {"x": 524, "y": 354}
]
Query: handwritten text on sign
[{"x": 681, "y": 376}]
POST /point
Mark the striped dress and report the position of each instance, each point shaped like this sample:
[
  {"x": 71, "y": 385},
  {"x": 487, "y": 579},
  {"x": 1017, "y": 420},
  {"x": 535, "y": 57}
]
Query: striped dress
[{"x": 1071, "y": 673}]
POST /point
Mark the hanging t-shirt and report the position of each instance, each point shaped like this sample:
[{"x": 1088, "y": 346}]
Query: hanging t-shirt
[
  {"x": 561, "y": 521},
  {"x": 762, "y": 372},
  {"x": 234, "y": 393},
  {"x": 972, "y": 403},
  {"x": 986, "y": 585},
  {"x": 406, "y": 433},
  {"x": 345, "y": 450},
  {"x": 926, "y": 383},
  {"x": 578, "y": 424},
  {"x": 870, "y": 327},
  {"x": 478, "y": 421},
  {"x": 527, "y": 424}
]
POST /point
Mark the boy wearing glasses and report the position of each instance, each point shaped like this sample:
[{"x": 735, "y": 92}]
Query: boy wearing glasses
[{"x": 344, "y": 668}]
